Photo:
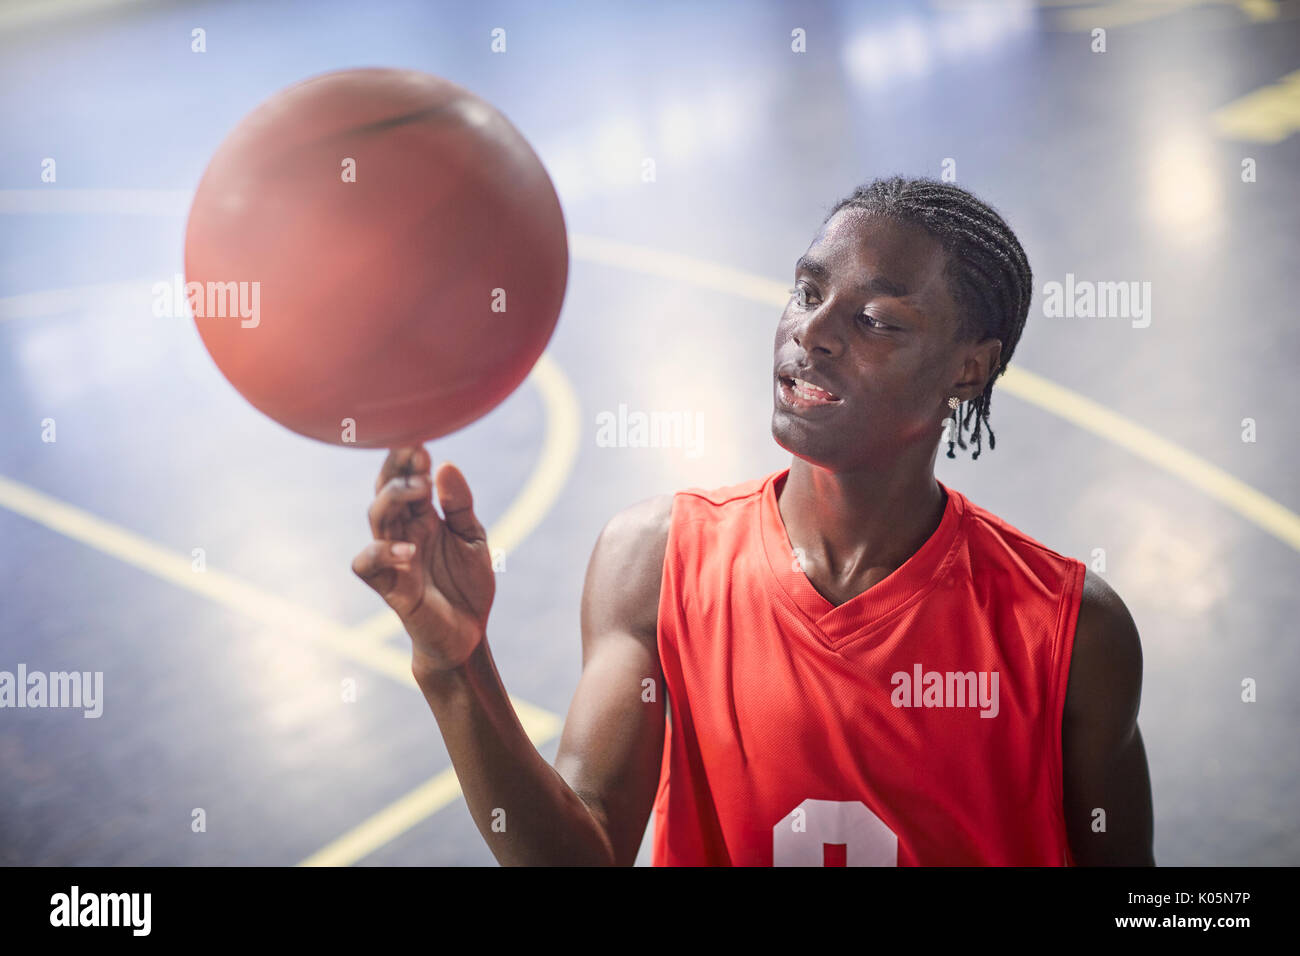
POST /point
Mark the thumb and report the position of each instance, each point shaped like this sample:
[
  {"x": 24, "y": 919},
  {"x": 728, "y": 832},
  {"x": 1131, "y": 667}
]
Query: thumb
[{"x": 457, "y": 503}]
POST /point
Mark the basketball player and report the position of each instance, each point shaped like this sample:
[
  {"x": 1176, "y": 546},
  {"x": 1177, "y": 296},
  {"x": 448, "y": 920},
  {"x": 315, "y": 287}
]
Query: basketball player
[{"x": 842, "y": 663}]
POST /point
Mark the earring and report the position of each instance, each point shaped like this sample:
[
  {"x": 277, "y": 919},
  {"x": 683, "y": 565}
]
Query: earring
[{"x": 953, "y": 402}]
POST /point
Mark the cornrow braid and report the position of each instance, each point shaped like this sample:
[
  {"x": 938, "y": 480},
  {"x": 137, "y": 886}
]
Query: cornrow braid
[{"x": 987, "y": 271}]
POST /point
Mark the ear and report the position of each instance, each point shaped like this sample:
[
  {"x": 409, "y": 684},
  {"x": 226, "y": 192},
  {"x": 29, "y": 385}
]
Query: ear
[{"x": 980, "y": 362}]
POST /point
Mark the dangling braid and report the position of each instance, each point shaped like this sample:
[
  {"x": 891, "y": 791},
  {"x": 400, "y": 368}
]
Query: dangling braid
[{"x": 987, "y": 271}]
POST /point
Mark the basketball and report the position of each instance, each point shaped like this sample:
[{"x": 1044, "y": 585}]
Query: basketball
[{"x": 375, "y": 257}]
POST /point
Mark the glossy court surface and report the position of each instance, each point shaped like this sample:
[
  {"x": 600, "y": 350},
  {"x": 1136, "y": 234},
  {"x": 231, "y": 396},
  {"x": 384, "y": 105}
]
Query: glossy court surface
[{"x": 1117, "y": 437}]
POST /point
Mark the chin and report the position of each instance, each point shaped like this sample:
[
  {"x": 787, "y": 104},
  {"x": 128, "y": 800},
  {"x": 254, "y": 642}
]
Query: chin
[{"x": 824, "y": 449}]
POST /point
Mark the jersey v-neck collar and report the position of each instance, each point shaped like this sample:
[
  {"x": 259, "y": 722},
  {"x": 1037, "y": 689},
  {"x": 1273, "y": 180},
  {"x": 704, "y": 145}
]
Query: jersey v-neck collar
[{"x": 837, "y": 625}]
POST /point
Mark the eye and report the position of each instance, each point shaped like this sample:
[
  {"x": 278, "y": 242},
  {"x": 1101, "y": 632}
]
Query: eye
[
  {"x": 800, "y": 294},
  {"x": 872, "y": 322}
]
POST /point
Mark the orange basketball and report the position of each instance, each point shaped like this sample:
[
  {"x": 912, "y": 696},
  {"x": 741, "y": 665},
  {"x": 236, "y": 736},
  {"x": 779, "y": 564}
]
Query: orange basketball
[{"x": 375, "y": 257}]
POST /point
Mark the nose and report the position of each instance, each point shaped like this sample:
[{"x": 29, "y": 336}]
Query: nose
[{"x": 815, "y": 331}]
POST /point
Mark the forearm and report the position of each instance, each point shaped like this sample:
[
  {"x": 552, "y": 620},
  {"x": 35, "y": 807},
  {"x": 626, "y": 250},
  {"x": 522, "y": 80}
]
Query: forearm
[{"x": 524, "y": 809}]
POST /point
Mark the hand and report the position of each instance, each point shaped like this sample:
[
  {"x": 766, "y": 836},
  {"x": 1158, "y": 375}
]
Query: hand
[{"x": 435, "y": 572}]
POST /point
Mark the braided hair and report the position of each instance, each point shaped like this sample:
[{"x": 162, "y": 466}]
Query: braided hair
[{"x": 987, "y": 271}]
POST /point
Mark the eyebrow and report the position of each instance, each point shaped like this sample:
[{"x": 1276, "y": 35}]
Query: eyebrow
[{"x": 817, "y": 269}]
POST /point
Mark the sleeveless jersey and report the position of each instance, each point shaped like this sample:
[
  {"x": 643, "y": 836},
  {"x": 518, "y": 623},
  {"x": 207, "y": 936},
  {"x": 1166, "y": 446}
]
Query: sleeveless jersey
[{"x": 917, "y": 724}]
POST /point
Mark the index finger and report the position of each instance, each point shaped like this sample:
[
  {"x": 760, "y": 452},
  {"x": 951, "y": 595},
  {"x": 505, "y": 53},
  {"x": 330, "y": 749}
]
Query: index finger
[{"x": 403, "y": 461}]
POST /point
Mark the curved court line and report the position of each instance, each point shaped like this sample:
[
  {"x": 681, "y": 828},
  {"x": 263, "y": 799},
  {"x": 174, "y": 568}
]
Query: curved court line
[
  {"x": 679, "y": 268},
  {"x": 361, "y": 644},
  {"x": 550, "y": 474},
  {"x": 1254, "y": 506},
  {"x": 1203, "y": 475}
]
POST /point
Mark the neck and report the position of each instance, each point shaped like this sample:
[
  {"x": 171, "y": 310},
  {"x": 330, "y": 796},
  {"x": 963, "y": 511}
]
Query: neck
[{"x": 857, "y": 527}]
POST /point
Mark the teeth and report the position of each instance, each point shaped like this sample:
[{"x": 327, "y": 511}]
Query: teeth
[{"x": 812, "y": 390}]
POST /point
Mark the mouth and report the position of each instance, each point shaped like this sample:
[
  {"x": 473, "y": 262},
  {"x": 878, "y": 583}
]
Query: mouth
[{"x": 798, "y": 393}]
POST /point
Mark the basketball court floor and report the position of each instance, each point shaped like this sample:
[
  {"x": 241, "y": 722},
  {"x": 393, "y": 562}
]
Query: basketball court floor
[{"x": 257, "y": 705}]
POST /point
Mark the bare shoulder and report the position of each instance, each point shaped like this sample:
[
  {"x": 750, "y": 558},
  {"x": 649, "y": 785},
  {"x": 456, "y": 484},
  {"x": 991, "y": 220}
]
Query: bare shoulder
[
  {"x": 626, "y": 571},
  {"x": 1106, "y": 664},
  {"x": 641, "y": 523}
]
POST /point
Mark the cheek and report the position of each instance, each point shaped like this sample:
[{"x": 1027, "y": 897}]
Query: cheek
[
  {"x": 910, "y": 385},
  {"x": 901, "y": 375}
]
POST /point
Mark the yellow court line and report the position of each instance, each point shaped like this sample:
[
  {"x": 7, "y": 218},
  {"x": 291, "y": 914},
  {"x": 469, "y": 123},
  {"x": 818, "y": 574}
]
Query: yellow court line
[
  {"x": 554, "y": 464},
  {"x": 225, "y": 589},
  {"x": 172, "y": 566},
  {"x": 390, "y": 823},
  {"x": 1267, "y": 115},
  {"x": 1122, "y": 13},
  {"x": 20, "y": 14},
  {"x": 677, "y": 267},
  {"x": 1209, "y": 478}
]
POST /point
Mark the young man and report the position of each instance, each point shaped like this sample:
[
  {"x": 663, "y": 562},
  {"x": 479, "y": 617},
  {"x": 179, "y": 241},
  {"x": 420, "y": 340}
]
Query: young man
[{"x": 842, "y": 663}]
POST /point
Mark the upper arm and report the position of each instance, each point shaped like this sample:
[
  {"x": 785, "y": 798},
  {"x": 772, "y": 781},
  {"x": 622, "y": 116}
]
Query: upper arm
[
  {"x": 612, "y": 745},
  {"x": 1104, "y": 763}
]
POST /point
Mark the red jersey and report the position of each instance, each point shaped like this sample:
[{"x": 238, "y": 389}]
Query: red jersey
[{"x": 917, "y": 724}]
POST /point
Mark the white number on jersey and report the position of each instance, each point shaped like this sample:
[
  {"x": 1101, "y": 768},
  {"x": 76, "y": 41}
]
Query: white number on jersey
[{"x": 833, "y": 833}]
